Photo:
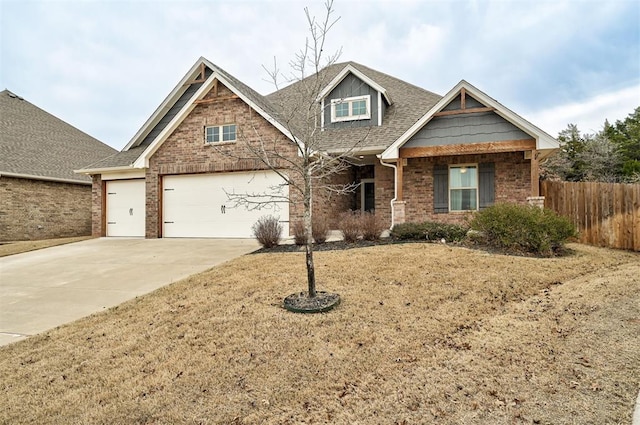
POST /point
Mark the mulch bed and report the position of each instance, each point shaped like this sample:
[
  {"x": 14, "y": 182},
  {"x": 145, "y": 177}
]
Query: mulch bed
[{"x": 342, "y": 245}]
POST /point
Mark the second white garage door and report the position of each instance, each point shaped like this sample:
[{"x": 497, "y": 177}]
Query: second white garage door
[
  {"x": 125, "y": 207},
  {"x": 198, "y": 205}
]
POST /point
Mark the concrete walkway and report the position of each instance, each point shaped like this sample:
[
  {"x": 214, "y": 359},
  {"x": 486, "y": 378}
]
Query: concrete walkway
[{"x": 42, "y": 289}]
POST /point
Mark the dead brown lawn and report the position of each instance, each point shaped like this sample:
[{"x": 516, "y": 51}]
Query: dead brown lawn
[
  {"x": 425, "y": 334},
  {"x": 11, "y": 248}
]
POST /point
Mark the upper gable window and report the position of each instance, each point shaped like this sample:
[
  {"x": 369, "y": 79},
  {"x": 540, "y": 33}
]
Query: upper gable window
[
  {"x": 220, "y": 133},
  {"x": 351, "y": 108}
]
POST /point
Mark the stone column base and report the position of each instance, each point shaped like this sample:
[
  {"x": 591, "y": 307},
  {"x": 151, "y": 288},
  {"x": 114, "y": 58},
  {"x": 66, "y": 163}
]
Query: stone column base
[
  {"x": 538, "y": 201},
  {"x": 398, "y": 212}
]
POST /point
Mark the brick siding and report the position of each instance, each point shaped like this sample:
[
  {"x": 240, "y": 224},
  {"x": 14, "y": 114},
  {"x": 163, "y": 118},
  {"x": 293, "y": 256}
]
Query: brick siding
[
  {"x": 512, "y": 183},
  {"x": 36, "y": 209},
  {"x": 185, "y": 150},
  {"x": 98, "y": 212}
]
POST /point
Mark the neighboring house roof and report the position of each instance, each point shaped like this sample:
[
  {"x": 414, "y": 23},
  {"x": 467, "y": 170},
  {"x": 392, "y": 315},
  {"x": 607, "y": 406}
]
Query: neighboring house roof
[
  {"x": 544, "y": 142},
  {"x": 36, "y": 145}
]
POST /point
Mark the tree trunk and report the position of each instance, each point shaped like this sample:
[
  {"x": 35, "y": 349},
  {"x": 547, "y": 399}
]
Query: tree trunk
[{"x": 311, "y": 273}]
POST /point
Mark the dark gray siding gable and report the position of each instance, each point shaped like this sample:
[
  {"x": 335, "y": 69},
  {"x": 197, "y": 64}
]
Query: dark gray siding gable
[
  {"x": 173, "y": 111},
  {"x": 351, "y": 86},
  {"x": 466, "y": 128}
]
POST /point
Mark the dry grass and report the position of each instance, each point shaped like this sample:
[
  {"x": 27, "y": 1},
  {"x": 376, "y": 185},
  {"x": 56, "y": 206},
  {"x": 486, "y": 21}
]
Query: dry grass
[
  {"x": 11, "y": 248},
  {"x": 425, "y": 334}
]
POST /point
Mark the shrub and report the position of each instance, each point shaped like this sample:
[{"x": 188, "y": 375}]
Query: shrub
[
  {"x": 320, "y": 230},
  {"x": 267, "y": 231},
  {"x": 450, "y": 232},
  {"x": 371, "y": 226},
  {"x": 299, "y": 236},
  {"x": 409, "y": 231},
  {"x": 523, "y": 228},
  {"x": 349, "y": 226},
  {"x": 429, "y": 230}
]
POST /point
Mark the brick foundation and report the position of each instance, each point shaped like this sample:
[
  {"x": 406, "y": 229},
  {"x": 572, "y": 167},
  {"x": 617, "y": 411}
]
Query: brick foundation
[{"x": 37, "y": 209}]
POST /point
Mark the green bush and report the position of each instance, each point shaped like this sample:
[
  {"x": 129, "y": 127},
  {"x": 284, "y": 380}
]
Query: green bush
[
  {"x": 429, "y": 230},
  {"x": 523, "y": 228}
]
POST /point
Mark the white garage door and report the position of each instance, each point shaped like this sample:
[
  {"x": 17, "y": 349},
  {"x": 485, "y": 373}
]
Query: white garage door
[
  {"x": 125, "y": 207},
  {"x": 198, "y": 206}
]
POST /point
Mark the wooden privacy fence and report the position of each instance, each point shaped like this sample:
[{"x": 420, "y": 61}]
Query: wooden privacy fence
[{"x": 606, "y": 214}]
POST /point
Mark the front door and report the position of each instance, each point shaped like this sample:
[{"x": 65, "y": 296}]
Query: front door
[{"x": 368, "y": 195}]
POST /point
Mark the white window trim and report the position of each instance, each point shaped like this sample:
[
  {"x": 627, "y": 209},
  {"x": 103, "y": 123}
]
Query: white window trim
[
  {"x": 476, "y": 187},
  {"x": 220, "y": 132},
  {"x": 350, "y": 100}
]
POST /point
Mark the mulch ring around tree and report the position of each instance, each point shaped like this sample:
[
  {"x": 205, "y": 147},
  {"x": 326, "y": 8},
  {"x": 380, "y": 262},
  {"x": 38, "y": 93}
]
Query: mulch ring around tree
[{"x": 300, "y": 302}]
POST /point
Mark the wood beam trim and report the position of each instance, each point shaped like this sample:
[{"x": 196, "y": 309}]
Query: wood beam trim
[
  {"x": 217, "y": 99},
  {"x": 200, "y": 78},
  {"x": 468, "y": 148},
  {"x": 463, "y": 111},
  {"x": 463, "y": 98},
  {"x": 535, "y": 173}
]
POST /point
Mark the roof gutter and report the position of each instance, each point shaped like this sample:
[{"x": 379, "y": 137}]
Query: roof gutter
[
  {"x": 395, "y": 188},
  {"x": 44, "y": 178},
  {"x": 90, "y": 171}
]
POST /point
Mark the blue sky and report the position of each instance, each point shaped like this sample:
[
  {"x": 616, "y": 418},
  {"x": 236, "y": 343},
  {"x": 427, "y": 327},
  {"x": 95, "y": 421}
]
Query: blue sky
[{"x": 104, "y": 66}]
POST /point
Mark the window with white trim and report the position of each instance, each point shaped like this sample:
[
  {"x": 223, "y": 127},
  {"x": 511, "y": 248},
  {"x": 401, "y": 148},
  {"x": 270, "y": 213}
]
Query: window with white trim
[
  {"x": 220, "y": 133},
  {"x": 351, "y": 108},
  {"x": 463, "y": 187}
]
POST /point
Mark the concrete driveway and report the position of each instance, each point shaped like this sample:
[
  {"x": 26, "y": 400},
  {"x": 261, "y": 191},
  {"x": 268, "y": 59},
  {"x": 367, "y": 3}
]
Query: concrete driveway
[{"x": 40, "y": 290}]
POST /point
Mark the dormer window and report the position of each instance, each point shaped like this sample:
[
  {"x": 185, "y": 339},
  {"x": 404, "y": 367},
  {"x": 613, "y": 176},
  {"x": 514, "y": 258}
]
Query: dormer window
[{"x": 351, "y": 108}]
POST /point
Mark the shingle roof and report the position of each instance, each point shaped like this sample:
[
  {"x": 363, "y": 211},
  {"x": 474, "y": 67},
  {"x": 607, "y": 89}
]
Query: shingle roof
[
  {"x": 36, "y": 144},
  {"x": 119, "y": 159},
  {"x": 409, "y": 104}
]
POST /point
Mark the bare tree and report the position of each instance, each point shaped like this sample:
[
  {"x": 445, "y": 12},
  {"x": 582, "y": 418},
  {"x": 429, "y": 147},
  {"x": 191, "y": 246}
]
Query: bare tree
[{"x": 298, "y": 108}]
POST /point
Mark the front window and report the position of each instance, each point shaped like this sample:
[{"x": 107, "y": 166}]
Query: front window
[
  {"x": 463, "y": 187},
  {"x": 220, "y": 133},
  {"x": 351, "y": 108}
]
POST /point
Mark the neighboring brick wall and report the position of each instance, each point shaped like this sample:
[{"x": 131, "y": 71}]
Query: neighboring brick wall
[
  {"x": 185, "y": 151},
  {"x": 36, "y": 209},
  {"x": 512, "y": 183}
]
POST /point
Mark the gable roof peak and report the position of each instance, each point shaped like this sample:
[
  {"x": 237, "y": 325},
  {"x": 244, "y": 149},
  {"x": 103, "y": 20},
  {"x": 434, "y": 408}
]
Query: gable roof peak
[
  {"x": 349, "y": 68},
  {"x": 544, "y": 141}
]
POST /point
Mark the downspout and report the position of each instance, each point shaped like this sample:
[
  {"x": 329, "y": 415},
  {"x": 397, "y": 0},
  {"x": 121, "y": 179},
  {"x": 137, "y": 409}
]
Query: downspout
[{"x": 395, "y": 188}]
